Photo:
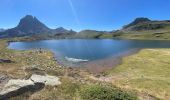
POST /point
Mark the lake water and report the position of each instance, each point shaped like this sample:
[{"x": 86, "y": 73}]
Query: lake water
[{"x": 75, "y": 51}]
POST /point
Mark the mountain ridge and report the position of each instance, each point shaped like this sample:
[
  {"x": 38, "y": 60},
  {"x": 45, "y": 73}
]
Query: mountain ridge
[{"x": 30, "y": 26}]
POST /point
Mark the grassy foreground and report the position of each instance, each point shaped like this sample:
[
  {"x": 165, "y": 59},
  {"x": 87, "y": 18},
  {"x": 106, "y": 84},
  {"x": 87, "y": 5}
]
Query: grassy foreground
[{"x": 147, "y": 72}]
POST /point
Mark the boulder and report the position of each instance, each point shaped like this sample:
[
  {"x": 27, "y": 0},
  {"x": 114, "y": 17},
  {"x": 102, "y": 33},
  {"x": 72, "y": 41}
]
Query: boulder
[
  {"x": 5, "y": 61},
  {"x": 16, "y": 87},
  {"x": 47, "y": 80}
]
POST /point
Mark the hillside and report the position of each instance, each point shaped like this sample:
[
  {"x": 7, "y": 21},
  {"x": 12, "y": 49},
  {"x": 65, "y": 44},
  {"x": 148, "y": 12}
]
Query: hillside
[
  {"x": 147, "y": 71},
  {"x": 144, "y": 28}
]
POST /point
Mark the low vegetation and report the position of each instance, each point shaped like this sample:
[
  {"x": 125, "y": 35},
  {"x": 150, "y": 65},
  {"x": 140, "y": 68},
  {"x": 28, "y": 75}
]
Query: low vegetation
[{"x": 104, "y": 92}]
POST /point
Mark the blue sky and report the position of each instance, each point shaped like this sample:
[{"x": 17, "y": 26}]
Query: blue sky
[{"x": 83, "y": 14}]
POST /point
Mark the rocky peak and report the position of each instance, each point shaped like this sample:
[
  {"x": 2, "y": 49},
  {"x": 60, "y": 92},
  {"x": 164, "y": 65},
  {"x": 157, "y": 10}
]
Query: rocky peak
[
  {"x": 138, "y": 21},
  {"x": 30, "y": 23}
]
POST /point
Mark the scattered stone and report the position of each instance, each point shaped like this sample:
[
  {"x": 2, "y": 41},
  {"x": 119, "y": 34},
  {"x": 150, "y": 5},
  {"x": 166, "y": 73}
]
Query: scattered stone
[
  {"x": 3, "y": 78},
  {"x": 157, "y": 35}
]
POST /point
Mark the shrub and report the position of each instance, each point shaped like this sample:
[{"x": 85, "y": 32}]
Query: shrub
[
  {"x": 69, "y": 87},
  {"x": 99, "y": 92}
]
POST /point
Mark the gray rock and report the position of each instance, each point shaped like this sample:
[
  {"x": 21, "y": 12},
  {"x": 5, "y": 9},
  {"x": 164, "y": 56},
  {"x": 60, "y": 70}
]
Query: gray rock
[
  {"x": 16, "y": 87},
  {"x": 3, "y": 78},
  {"x": 5, "y": 61},
  {"x": 47, "y": 80}
]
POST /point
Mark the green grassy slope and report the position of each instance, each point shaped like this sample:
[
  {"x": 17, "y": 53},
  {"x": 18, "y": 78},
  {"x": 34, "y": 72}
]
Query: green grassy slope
[
  {"x": 159, "y": 34},
  {"x": 148, "y": 72}
]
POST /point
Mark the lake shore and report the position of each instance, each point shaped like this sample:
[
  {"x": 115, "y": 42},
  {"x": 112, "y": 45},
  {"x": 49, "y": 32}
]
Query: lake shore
[
  {"x": 104, "y": 65},
  {"x": 82, "y": 54}
]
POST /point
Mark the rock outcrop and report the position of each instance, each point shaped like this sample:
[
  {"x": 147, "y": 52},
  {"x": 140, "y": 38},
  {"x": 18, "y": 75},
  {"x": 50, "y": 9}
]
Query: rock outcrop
[
  {"x": 16, "y": 87},
  {"x": 47, "y": 80},
  {"x": 5, "y": 61}
]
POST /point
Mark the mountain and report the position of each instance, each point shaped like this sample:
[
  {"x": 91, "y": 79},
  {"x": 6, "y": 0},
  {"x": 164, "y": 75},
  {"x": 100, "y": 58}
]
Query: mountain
[
  {"x": 140, "y": 24},
  {"x": 31, "y": 26},
  {"x": 27, "y": 26},
  {"x": 146, "y": 29}
]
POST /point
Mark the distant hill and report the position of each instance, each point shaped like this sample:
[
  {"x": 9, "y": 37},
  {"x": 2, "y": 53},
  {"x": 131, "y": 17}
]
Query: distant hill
[
  {"x": 140, "y": 24},
  {"x": 31, "y": 26},
  {"x": 89, "y": 34},
  {"x": 61, "y": 30}
]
